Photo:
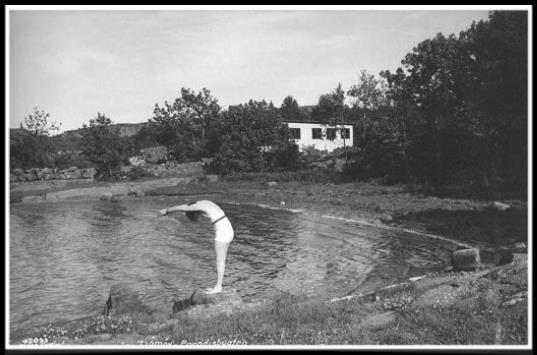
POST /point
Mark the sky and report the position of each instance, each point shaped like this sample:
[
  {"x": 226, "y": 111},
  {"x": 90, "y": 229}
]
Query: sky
[{"x": 73, "y": 64}]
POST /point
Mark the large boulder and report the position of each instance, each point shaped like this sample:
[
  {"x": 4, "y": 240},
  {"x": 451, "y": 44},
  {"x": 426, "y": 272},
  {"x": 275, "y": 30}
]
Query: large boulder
[
  {"x": 495, "y": 256},
  {"x": 71, "y": 175},
  {"x": 123, "y": 300},
  {"x": 47, "y": 176},
  {"x": 519, "y": 246},
  {"x": 466, "y": 259},
  {"x": 30, "y": 177},
  {"x": 154, "y": 155},
  {"x": 198, "y": 297},
  {"x": 320, "y": 165},
  {"x": 137, "y": 161},
  {"x": 88, "y": 173},
  {"x": 31, "y": 171},
  {"x": 18, "y": 172},
  {"x": 500, "y": 206},
  {"x": 200, "y": 304}
]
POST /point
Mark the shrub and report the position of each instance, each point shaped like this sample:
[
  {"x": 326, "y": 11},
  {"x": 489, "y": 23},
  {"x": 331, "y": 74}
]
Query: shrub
[{"x": 103, "y": 146}]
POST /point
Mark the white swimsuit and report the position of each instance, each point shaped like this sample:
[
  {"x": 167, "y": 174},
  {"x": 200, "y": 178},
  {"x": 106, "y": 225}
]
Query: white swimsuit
[{"x": 223, "y": 230}]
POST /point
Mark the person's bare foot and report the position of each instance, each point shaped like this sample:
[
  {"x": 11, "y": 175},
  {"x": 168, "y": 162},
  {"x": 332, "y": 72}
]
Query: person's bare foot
[{"x": 210, "y": 291}]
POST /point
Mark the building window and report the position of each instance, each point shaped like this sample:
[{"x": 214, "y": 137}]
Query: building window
[
  {"x": 317, "y": 133},
  {"x": 331, "y": 133},
  {"x": 345, "y": 133},
  {"x": 294, "y": 133}
]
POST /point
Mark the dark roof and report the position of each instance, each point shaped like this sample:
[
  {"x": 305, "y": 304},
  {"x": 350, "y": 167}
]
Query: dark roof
[{"x": 311, "y": 121}]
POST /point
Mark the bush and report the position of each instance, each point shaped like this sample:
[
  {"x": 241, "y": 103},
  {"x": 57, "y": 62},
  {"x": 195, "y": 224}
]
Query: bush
[
  {"x": 104, "y": 147},
  {"x": 245, "y": 132},
  {"x": 311, "y": 154},
  {"x": 284, "y": 158}
]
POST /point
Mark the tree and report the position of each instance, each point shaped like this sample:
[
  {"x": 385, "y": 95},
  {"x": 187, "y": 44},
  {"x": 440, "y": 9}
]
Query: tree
[
  {"x": 34, "y": 148},
  {"x": 250, "y": 136},
  {"x": 460, "y": 104},
  {"x": 369, "y": 95},
  {"x": 498, "y": 48},
  {"x": 38, "y": 123},
  {"x": 331, "y": 110},
  {"x": 187, "y": 127},
  {"x": 290, "y": 110},
  {"x": 103, "y": 146}
]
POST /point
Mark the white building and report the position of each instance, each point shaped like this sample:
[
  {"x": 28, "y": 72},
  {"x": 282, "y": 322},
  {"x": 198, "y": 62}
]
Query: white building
[{"x": 321, "y": 136}]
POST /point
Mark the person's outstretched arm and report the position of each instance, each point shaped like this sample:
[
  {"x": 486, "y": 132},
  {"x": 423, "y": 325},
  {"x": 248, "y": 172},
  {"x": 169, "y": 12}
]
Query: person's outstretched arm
[{"x": 181, "y": 208}]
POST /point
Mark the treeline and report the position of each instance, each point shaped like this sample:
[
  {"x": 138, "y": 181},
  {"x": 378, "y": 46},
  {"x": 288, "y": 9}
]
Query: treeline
[{"x": 455, "y": 113}]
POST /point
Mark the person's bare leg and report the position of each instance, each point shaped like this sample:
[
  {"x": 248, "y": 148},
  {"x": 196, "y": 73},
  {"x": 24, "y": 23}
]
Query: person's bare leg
[{"x": 221, "y": 253}]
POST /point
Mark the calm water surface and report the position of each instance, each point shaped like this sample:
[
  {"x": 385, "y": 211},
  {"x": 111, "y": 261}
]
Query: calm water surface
[{"x": 64, "y": 257}]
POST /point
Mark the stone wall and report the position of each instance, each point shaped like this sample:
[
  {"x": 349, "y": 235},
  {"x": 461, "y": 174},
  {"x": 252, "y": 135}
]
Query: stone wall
[
  {"x": 33, "y": 174},
  {"x": 191, "y": 169},
  {"x": 194, "y": 169}
]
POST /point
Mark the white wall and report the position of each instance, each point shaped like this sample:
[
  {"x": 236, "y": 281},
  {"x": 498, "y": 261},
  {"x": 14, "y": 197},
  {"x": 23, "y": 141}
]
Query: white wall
[{"x": 321, "y": 144}]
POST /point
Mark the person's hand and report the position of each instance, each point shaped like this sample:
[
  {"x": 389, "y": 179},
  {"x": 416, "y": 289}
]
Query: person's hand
[{"x": 163, "y": 212}]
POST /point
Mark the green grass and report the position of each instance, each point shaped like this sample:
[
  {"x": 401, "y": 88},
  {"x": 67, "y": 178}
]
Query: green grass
[
  {"x": 287, "y": 321},
  {"x": 293, "y": 320},
  {"x": 473, "y": 324}
]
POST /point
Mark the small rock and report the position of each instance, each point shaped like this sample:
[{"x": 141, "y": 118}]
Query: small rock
[
  {"x": 198, "y": 297},
  {"x": 126, "y": 169},
  {"x": 519, "y": 297},
  {"x": 71, "y": 175},
  {"x": 272, "y": 183},
  {"x": 32, "y": 198},
  {"x": 466, "y": 259},
  {"x": 519, "y": 245},
  {"x": 500, "y": 206},
  {"x": 107, "y": 196},
  {"x": 386, "y": 218},
  {"x": 137, "y": 161},
  {"x": 88, "y": 173},
  {"x": 211, "y": 178}
]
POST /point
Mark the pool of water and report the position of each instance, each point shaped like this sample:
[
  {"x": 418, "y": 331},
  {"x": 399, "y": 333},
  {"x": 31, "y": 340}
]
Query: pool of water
[{"x": 64, "y": 257}]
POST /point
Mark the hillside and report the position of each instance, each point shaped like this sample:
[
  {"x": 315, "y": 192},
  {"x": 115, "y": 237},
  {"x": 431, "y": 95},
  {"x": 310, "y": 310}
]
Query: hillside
[{"x": 70, "y": 140}]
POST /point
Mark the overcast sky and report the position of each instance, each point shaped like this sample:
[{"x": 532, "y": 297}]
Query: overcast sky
[{"x": 74, "y": 64}]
